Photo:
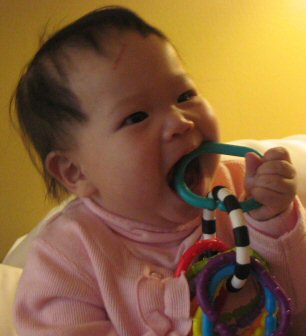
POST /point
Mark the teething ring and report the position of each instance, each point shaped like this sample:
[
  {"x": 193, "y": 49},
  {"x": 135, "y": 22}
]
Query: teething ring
[
  {"x": 242, "y": 242},
  {"x": 251, "y": 315},
  {"x": 221, "y": 267},
  {"x": 234, "y": 267},
  {"x": 203, "y": 202},
  {"x": 197, "y": 249}
]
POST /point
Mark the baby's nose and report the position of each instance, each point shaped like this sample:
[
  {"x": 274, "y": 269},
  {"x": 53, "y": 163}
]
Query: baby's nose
[{"x": 176, "y": 124}]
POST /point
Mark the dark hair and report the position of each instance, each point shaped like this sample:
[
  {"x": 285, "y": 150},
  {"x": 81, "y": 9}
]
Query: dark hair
[{"x": 46, "y": 108}]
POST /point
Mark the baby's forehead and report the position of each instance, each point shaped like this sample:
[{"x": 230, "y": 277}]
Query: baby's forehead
[
  {"x": 109, "y": 49},
  {"x": 128, "y": 62},
  {"x": 115, "y": 48}
]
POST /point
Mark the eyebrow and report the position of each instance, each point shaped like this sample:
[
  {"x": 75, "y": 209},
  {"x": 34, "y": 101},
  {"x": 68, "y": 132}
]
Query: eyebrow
[
  {"x": 124, "y": 101},
  {"x": 137, "y": 95}
]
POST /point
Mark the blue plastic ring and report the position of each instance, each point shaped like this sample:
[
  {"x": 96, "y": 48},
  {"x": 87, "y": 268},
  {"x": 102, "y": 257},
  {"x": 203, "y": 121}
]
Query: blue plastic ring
[
  {"x": 218, "y": 277},
  {"x": 204, "y": 202}
]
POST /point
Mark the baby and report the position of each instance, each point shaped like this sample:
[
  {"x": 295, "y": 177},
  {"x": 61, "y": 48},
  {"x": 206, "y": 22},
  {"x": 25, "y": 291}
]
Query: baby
[{"x": 110, "y": 110}]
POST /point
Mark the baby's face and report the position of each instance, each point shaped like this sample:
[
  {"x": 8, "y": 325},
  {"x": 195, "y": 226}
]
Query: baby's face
[{"x": 144, "y": 115}]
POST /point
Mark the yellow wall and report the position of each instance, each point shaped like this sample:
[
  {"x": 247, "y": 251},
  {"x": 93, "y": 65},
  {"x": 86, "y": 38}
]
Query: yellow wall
[{"x": 248, "y": 57}]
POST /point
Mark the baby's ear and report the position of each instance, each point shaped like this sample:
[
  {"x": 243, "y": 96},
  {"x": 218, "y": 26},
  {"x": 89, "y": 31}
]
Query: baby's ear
[{"x": 69, "y": 174}]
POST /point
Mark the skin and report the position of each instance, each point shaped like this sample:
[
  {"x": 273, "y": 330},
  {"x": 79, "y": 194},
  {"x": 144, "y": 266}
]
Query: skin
[
  {"x": 144, "y": 114},
  {"x": 271, "y": 180},
  {"x": 118, "y": 59}
]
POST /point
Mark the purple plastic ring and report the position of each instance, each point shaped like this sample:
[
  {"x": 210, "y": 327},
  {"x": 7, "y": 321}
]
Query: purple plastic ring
[{"x": 263, "y": 278}]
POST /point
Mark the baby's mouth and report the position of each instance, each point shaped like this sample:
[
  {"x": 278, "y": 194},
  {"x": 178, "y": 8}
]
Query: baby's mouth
[{"x": 193, "y": 176}]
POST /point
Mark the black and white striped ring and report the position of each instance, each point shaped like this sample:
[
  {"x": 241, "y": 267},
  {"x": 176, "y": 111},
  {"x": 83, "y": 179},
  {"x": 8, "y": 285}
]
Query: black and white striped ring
[{"x": 241, "y": 234}]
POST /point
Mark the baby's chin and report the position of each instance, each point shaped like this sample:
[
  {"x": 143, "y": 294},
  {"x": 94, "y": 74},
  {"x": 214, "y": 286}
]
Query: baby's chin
[{"x": 184, "y": 217}]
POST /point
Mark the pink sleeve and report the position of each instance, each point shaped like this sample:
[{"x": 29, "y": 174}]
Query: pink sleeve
[
  {"x": 66, "y": 301},
  {"x": 286, "y": 254}
]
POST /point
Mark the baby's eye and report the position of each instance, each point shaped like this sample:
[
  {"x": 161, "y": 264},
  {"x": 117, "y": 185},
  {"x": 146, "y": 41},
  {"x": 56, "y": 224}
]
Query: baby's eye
[
  {"x": 135, "y": 118},
  {"x": 186, "y": 96}
]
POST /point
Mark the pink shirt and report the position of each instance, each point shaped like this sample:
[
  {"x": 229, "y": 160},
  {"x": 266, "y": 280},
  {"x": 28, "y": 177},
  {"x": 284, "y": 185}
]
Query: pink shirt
[{"x": 91, "y": 272}]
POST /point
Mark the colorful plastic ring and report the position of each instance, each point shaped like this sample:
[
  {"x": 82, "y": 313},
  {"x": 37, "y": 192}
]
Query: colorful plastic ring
[
  {"x": 197, "y": 249},
  {"x": 227, "y": 260}
]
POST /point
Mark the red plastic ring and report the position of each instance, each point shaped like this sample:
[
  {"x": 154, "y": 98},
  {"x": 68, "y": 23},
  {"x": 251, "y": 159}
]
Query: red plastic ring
[{"x": 197, "y": 249}]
